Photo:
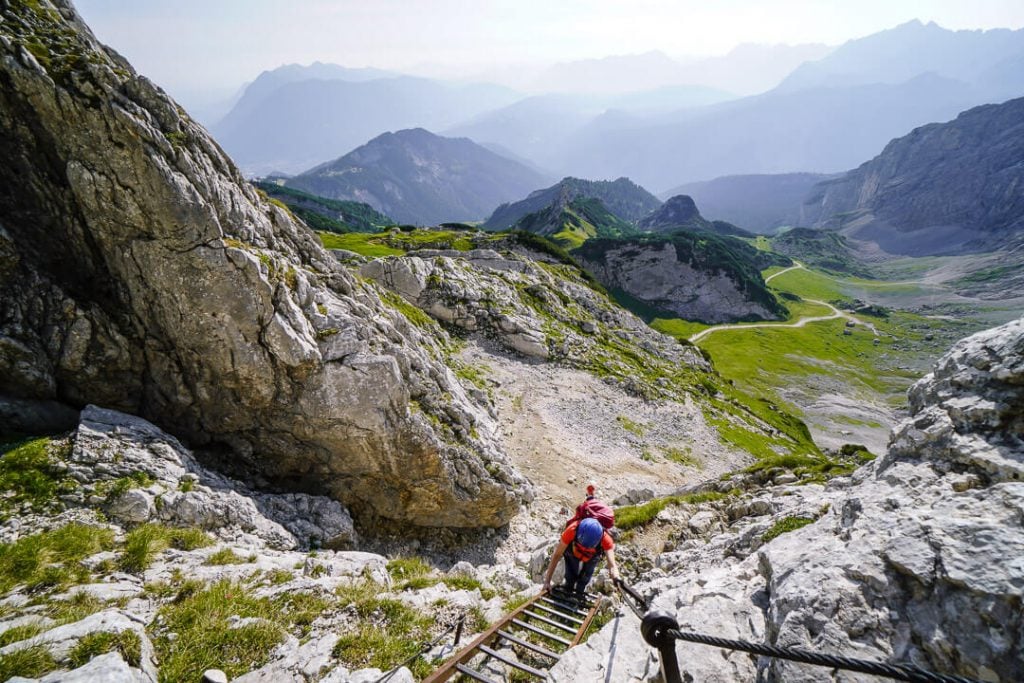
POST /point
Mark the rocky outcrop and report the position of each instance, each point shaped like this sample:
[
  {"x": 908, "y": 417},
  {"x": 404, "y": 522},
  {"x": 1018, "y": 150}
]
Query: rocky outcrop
[
  {"x": 122, "y": 479},
  {"x": 680, "y": 213},
  {"x": 692, "y": 276},
  {"x": 915, "y": 557},
  {"x": 945, "y": 188},
  {"x": 538, "y": 307},
  {"x": 139, "y": 271},
  {"x": 626, "y": 200}
]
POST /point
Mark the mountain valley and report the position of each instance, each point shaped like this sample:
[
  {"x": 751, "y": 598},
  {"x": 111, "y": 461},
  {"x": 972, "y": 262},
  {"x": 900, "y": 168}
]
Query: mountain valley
[{"x": 263, "y": 427}]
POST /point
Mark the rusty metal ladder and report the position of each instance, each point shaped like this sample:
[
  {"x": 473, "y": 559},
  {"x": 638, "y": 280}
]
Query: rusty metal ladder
[{"x": 540, "y": 630}]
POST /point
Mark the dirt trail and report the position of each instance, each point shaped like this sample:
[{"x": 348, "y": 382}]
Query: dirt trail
[{"x": 836, "y": 313}]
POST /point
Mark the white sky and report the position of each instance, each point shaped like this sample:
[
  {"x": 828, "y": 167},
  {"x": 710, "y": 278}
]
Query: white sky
[{"x": 196, "y": 45}]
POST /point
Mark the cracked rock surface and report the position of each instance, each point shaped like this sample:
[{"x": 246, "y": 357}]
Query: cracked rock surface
[
  {"x": 140, "y": 272},
  {"x": 916, "y": 557}
]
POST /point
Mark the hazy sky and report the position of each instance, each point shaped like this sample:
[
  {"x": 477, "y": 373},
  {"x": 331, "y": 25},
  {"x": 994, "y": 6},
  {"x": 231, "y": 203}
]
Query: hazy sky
[{"x": 194, "y": 45}]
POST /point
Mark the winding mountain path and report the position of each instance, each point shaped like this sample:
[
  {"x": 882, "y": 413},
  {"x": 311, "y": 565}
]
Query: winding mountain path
[{"x": 836, "y": 313}]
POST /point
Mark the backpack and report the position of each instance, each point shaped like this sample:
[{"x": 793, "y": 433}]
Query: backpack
[{"x": 592, "y": 507}]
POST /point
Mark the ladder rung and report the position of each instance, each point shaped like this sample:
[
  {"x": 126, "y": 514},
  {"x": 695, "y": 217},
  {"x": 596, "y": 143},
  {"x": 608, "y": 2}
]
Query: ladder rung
[
  {"x": 559, "y": 613},
  {"x": 542, "y": 632},
  {"x": 511, "y": 662},
  {"x": 565, "y": 605},
  {"x": 550, "y": 622},
  {"x": 528, "y": 645},
  {"x": 474, "y": 674}
]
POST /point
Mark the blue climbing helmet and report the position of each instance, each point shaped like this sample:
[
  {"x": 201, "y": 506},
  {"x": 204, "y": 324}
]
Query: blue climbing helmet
[{"x": 589, "y": 533}]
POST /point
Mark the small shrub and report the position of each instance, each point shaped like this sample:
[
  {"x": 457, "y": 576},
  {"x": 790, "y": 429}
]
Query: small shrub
[
  {"x": 186, "y": 485},
  {"x": 124, "y": 484}
]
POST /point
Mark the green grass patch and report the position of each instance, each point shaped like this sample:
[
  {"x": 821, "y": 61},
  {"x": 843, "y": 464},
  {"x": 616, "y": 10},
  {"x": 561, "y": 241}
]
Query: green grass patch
[
  {"x": 31, "y": 662},
  {"x": 146, "y": 541},
  {"x": 28, "y": 474},
  {"x": 682, "y": 456},
  {"x": 50, "y": 559},
  {"x": 226, "y": 556},
  {"x": 199, "y": 615},
  {"x": 809, "y": 284},
  {"x": 20, "y": 633},
  {"x": 75, "y": 608},
  {"x": 365, "y": 244},
  {"x": 127, "y": 643},
  {"x": 785, "y": 525},
  {"x": 678, "y": 328},
  {"x": 389, "y": 633},
  {"x": 630, "y": 426},
  {"x": 413, "y": 314},
  {"x": 633, "y": 516},
  {"x": 405, "y": 568},
  {"x": 468, "y": 583}
]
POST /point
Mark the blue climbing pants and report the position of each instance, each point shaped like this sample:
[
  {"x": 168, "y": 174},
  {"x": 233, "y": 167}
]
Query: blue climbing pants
[{"x": 578, "y": 574}]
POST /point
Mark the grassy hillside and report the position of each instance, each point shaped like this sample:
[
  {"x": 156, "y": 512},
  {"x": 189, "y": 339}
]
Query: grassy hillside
[
  {"x": 574, "y": 223},
  {"x": 330, "y": 215}
]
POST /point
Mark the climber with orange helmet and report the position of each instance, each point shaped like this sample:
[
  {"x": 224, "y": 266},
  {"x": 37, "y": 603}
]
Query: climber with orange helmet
[{"x": 582, "y": 544}]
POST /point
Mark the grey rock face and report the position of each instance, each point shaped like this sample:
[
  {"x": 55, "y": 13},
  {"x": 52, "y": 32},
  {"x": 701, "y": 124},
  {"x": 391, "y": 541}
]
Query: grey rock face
[
  {"x": 655, "y": 274},
  {"x": 916, "y": 557},
  {"x": 944, "y": 188},
  {"x": 539, "y": 309},
  {"x": 178, "y": 294}
]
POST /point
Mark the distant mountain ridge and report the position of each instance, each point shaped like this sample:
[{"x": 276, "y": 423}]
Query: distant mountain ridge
[
  {"x": 944, "y": 188},
  {"x": 293, "y": 125},
  {"x": 622, "y": 197},
  {"x": 417, "y": 177},
  {"x": 759, "y": 203},
  {"x": 908, "y": 50},
  {"x": 680, "y": 213}
]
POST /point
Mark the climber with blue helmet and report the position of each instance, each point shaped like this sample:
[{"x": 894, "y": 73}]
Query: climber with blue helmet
[{"x": 582, "y": 544}]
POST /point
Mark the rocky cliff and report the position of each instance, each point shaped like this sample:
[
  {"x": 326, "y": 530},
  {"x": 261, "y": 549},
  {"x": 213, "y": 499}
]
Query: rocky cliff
[
  {"x": 694, "y": 276},
  {"x": 140, "y": 272},
  {"x": 945, "y": 188},
  {"x": 915, "y": 557}
]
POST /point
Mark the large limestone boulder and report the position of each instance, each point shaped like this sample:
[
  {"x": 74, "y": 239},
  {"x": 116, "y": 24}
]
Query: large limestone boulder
[
  {"x": 140, "y": 272},
  {"x": 915, "y": 558}
]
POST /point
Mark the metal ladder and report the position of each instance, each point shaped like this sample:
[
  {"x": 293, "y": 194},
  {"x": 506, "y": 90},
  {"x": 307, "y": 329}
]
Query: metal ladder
[{"x": 539, "y": 631}]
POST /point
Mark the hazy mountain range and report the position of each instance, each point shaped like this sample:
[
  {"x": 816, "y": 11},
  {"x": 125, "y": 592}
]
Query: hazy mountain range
[
  {"x": 759, "y": 203},
  {"x": 293, "y": 125},
  {"x": 678, "y": 124},
  {"x": 417, "y": 177}
]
